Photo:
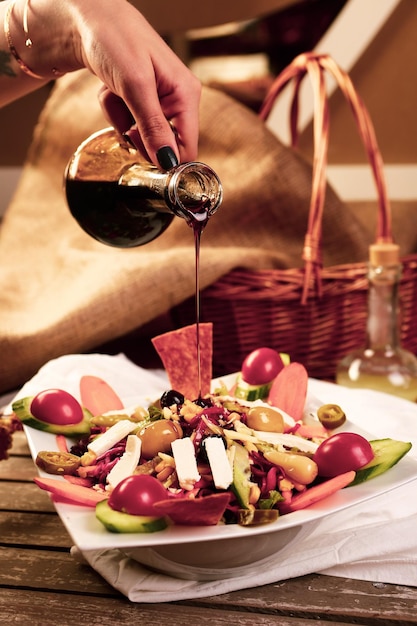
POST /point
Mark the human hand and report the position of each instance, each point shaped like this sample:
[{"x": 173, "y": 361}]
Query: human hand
[
  {"x": 146, "y": 88},
  {"x": 147, "y": 91}
]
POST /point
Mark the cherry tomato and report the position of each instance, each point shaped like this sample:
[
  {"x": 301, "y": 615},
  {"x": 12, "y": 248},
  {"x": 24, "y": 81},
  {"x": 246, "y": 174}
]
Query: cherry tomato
[
  {"x": 342, "y": 452},
  {"x": 261, "y": 366},
  {"x": 137, "y": 495},
  {"x": 56, "y": 406}
]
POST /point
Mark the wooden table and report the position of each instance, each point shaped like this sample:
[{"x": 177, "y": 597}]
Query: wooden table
[{"x": 41, "y": 583}]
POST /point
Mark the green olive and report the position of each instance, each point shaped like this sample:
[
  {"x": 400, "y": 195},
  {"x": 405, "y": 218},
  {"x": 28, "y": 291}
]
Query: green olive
[
  {"x": 157, "y": 437},
  {"x": 331, "y": 415},
  {"x": 266, "y": 419}
]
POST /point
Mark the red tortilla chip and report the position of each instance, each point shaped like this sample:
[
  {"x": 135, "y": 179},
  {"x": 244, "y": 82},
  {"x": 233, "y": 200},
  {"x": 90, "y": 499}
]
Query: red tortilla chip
[
  {"x": 178, "y": 352},
  {"x": 206, "y": 511}
]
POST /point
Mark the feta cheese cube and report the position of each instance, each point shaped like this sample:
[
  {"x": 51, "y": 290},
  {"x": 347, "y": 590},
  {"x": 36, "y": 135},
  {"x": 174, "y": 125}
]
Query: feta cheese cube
[
  {"x": 127, "y": 463},
  {"x": 219, "y": 462},
  {"x": 185, "y": 462}
]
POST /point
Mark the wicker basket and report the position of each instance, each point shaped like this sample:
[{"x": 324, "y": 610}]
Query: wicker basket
[
  {"x": 316, "y": 315},
  {"x": 250, "y": 309}
]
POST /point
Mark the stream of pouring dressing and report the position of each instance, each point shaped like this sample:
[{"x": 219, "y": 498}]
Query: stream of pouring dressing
[{"x": 198, "y": 221}]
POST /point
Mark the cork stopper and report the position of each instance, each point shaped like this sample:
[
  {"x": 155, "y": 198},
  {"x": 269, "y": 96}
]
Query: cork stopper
[{"x": 384, "y": 254}]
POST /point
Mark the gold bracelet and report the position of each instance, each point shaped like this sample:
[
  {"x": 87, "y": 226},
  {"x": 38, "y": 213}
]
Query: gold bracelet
[
  {"x": 28, "y": 40},
  {"x": 12, "y": 48}
]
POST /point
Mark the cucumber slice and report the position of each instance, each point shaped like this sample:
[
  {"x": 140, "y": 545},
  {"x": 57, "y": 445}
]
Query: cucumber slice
[
  {"x": 387, "y": 452},
  {"x": 21, "y": 408},
  {"x": 244, "y": 391},
  {"x": 241, "y": 475},
  {"x": 118, "y": 522}
]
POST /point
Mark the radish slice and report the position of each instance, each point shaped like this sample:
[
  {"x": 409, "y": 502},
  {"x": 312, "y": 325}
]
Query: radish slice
[
  {"x": 289, "y": 390},
  {"x": 97, "y": 396}
]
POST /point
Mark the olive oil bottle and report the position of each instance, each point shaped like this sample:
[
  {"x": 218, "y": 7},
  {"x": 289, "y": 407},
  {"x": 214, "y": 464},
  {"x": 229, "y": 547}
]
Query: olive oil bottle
[{"x": 382, "y": 364}]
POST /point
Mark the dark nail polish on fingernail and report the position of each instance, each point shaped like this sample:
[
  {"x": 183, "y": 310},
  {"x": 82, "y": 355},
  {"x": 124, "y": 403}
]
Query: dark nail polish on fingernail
[
  {"x": 166, "y": 158},
  {"x": 128, "y": 139}
]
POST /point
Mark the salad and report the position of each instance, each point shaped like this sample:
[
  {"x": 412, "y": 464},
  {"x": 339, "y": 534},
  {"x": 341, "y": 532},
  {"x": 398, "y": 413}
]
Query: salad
[{"x": 245, "y": 454}]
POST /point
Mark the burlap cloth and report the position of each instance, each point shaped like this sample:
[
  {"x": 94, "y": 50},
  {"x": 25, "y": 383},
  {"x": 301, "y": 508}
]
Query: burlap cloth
[{"x": 62, "y": 292}]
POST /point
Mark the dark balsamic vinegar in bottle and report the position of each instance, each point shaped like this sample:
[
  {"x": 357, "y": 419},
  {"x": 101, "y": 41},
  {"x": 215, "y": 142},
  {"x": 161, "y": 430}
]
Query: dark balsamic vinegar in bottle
[{"x": 123, "y": 202}]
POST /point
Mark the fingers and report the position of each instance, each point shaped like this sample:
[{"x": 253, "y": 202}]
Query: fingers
[
  {"x": 156, "y": 133},
  {"x": 185, "y": 121},
  {"x": 168, "y": 118},
  {"x": 147, "y": 87},
  {"x": 115, "y": 110},
  {"x": 157, "y": 121},
  {"x": 119, "y": 116}
]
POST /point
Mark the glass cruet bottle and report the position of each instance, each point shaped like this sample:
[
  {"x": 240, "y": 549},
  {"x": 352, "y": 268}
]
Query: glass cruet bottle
[
  {"x": 382, "y": 365},
  {"x": 124, "y": 202}
]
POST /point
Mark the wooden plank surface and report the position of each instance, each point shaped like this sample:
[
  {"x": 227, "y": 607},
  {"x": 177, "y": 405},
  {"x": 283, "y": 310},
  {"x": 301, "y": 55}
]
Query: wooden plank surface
[
  {"x": 17, "y": 468},
  {"x": 50, "y": 569},
  {"x": 33, "y": 529},
  {"x": 331, "y": 598},
  {"x": 67, "y": 610},
  {"x": 23, "y": 496}
]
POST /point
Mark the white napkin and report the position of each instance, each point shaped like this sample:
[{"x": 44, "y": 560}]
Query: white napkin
[
  {"x": 378, "y": 545},
  {"x": 375, "y": 540},
  {"x": 127, "y": 379}
]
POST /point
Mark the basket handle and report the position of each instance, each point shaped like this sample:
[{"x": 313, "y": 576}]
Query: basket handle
[{"x": 315, "y": 65}]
